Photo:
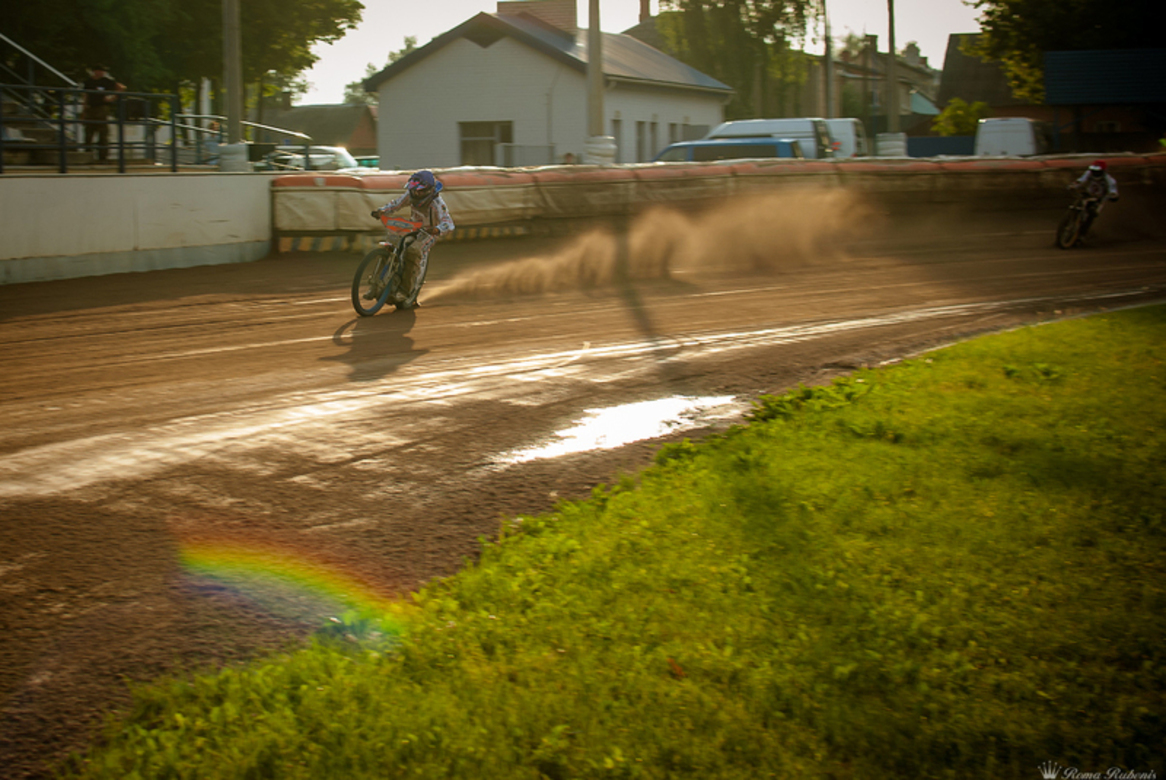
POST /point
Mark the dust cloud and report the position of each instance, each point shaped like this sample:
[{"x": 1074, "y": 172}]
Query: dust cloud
[{"x": 764, "y": 233}]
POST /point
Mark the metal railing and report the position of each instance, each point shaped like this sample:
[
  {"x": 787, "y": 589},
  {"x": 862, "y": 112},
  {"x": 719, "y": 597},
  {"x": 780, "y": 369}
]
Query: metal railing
[
  {"x": 47, "y": 122},
  {"x": 31, "y": 62},
  {"x": 51, "y": 125}
]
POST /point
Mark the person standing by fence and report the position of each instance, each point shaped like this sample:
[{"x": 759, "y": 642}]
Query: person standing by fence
[{"x": 97, "y": 106}]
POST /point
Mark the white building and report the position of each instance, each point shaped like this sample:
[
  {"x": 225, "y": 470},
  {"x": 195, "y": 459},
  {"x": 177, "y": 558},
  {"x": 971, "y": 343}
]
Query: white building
[{"x": 510, "y": 88}]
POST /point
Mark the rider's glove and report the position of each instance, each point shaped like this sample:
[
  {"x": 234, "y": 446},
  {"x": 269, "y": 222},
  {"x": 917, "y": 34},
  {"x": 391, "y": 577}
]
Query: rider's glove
[
  {"x": 433, "y": 230},
  {"x": 376, "y": 213}
]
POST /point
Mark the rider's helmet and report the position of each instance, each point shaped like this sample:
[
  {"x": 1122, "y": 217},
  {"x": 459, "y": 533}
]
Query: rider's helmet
[
  {"x": 423, "y": 187},
  {"x": 1097, "y": 169}
]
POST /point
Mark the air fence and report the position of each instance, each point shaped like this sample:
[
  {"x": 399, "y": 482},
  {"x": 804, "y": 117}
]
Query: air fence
[{"x": 122, "y": 223}]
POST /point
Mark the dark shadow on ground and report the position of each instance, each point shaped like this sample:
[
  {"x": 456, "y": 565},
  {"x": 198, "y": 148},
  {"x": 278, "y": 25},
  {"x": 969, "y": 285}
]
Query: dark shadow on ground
[
  {"x": 376, "y": 346},
  {"x": 290, "y": 274}
]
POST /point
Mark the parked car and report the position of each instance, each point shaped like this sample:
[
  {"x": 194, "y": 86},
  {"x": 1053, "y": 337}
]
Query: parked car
[
  {"x": 813, "y": 134},
  {"x": 291, "y": 158},
  {"x": 730, "y": 149},
  {"x": 1012, "y": 136},
  {"x": 849, "y": 137}
]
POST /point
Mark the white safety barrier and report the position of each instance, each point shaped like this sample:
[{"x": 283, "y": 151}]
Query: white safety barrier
[
  {"x": 316, "y": 204},
  {"x": 60, "y": 227},
  {"x": 57, "y": 227}
]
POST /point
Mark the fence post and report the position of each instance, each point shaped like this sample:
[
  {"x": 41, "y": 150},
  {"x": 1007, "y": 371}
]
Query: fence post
[
  {"x": 1, "y": 136},
  {"x": 175, "y": 107},
  {"x": 121, "y": 134},
  {"x": 62, "y": 135},
  {"x": 149, "y": 130}
]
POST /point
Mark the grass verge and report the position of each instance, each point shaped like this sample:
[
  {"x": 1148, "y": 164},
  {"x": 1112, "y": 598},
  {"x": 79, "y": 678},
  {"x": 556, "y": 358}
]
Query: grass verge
[{"x": 951, "y": 567}]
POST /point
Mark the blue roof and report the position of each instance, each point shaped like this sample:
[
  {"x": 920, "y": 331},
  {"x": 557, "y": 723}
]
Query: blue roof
[{"x": 624, "y": 57}]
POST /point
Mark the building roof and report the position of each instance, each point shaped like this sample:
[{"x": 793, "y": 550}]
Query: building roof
[
  {"x": 968, "y": 77},
  {"x": 624, "y": 57},
  {"x": 921, "y": 104},
  {"x": 1105, "y": 77}
]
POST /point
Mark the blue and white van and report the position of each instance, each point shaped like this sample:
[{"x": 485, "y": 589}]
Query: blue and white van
[
  {"x": 812, "y": 133},
  {"x": 708, "y": 150}
]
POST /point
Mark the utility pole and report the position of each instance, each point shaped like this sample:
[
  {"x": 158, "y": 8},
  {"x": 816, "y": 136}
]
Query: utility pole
[
  {"x": 829, "y": 64},
  {"x": 892, "y": 78},
  {"x": 600, "y": 149},
  {"x": 233, "y": 70}
]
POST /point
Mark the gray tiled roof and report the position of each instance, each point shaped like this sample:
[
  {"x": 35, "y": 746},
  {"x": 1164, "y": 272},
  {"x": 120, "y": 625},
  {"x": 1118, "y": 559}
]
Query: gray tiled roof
[{"x": 624, "y": 57}]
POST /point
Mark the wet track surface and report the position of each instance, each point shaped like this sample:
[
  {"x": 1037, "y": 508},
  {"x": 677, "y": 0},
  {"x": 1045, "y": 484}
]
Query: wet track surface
[{"x": 247, "y": 406}]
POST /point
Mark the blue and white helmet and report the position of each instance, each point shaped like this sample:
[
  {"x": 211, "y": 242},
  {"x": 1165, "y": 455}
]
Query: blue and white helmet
[{"x": 423, "y": 187}]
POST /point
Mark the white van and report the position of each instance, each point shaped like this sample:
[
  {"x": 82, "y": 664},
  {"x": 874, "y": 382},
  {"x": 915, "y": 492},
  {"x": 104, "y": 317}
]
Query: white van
[
  {"x": 812, "y": 134},
  {"x": 849, "y": 137},
  {"x": 1012, "y": 136}
]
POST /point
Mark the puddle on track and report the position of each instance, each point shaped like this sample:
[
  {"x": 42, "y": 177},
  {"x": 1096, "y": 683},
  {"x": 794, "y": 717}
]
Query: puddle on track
[{"x": 616, "y": 426}]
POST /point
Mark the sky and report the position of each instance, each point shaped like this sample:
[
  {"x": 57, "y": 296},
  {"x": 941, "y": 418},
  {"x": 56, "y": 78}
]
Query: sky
[{"x": 386, "y": 24}]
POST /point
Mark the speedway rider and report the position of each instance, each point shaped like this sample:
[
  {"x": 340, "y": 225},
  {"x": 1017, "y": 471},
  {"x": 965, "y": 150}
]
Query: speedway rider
[
  {"x": 430, "y": 210},
  {"x": 1097, "y": 184}
]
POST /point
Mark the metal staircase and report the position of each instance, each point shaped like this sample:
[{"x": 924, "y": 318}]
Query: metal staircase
[
  {"x": 30, "y": 90},
  {"x": 42, "y": 124}
]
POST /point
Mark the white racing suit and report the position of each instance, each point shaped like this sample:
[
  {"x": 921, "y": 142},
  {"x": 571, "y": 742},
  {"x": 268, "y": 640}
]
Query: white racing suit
[
  {"x": 1101, "y": 189},
  {"x": 434, "y": 213}
]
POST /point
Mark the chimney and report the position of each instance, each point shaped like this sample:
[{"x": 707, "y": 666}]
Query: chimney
[
  {"x": 645, "y": 10},
  {"x": 557, "y": 13}
]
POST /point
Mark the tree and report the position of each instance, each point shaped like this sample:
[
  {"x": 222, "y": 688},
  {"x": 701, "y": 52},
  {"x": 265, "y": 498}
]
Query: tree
[
  {"x": 959, "y": 118},
  {"x": 157, "y": 45},
  {"x": 744, "y": 43},
  {"x": 354, "y": 91},
  {"x": 1017, "y": 33},
  {"x": 72, "y": 35}
]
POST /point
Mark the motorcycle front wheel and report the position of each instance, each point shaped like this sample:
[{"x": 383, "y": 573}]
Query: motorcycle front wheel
[
  {"x": 1069, "y": 229},
  {"x": 373, "y": 283}
]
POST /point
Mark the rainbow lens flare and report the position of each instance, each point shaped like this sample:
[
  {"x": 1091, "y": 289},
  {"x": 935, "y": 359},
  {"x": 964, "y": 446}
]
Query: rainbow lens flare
[{"x": 291, "y": 583}]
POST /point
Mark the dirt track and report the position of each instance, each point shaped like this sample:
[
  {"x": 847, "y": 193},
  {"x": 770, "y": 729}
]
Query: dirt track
[{"x": 246, "y": 406}]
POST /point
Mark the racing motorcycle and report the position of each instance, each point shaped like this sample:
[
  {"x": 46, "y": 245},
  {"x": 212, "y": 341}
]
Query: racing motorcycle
[
  {"x": 379, "y": 274},
  {"x": 1075, "y": 224}
]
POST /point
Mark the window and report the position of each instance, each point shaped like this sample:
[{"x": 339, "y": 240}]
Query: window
[
  {"x": 617, "y": 134},
  {"x": 479, "y": 138},
  {"x": 673, "y": 133},
  {"x": 641, "y": 141},
  {"x": 653, "y": 140},
  {"x": 1107, "y": 127}
]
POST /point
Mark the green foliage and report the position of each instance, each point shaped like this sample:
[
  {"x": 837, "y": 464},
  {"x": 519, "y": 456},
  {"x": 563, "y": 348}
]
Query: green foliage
[
  {"x": 959, "y": 118},
  {"x": 354, "y": 91},
  {"x": 1017, "y": 33},
  {"x": 156, "y": 44},
  {"x": 952, "y": 567},
  {"x": 743, "y": 43}
]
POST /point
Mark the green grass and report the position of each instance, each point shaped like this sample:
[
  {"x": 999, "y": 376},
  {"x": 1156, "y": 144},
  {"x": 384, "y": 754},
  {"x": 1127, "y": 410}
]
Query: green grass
[{"x": 952, "y": 567}]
